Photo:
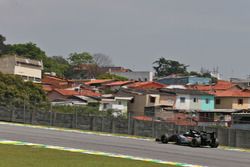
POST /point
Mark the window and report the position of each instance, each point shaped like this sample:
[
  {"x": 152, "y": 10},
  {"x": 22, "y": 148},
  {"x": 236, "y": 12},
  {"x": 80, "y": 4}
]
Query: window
[
  {"x": 37, "y": 79},
  {"x": 152, "y": 99},
  {"x": 182, "y": 99},
  {"x": 207, "y": 101},
  {"x": 105, "y": 106},
  {"x": 119, "y": 102},
  {"x": 31, "y": 78},
  {"x": 132, "y": 100},
  {"x": 217, "y": 101},
  {"x": 25, "y": 77},
  {"x": 240, "y": 101},
  {"x": 195, "y": 100}
]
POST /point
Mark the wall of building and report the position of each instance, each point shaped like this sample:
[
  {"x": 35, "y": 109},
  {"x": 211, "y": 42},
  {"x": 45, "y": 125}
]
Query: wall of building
[
  {"x": 199, "y": 80},
  {"x": 157, "y": 100},
  {"x": 210, "y": 105},
  {"x": 195, "y": 105},
  {"x": 167, "y": 100},
  {"x": 245, "y": 105},
  {"x": 225, "y": 103},
  {"x": 137, "y": 107},
  {"x": 28, "y": 71},
  {"x": 7, "y": 64},
  {"x": 180, "y": 105},
  {"x": 185, "y": 80},
  {"x": 136, "y": 75}
]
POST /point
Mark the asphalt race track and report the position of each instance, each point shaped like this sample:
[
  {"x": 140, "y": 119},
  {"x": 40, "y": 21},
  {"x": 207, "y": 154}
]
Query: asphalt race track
[{"x": 140, "y": 148}]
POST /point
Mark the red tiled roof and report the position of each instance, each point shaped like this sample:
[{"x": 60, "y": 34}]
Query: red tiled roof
[
  {"x": 118, "y": 83},
  {"x": 47, "y": 88},
  {"x": 83, "y": 92},
  {"x": 98, "y": 81},
  {"x": 232, "y": 93},
  {"x": 220, "y": 85},
  {"x": 54, "y": 78},
  {"x": 146, "y": 85},
  {"x": 143, "y": 118}
]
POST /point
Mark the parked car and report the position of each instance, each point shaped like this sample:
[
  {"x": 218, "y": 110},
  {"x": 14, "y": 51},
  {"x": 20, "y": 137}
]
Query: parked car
[{"x": 192, "y": 138}]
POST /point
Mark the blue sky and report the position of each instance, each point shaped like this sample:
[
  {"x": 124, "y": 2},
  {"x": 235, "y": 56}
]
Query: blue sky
[{"x": 134, "y": 33}]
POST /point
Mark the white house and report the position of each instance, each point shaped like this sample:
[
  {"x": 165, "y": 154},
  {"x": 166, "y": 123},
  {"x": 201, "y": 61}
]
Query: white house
[
  {"x": 119, "y": 104},
  {"x": 29, "y": 70}
]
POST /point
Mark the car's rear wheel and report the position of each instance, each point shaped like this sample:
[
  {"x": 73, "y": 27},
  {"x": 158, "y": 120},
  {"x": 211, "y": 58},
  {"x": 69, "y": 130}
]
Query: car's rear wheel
[
  {"x": 214, "y": 143},
  {"x": 164, "y": 139},
  {"x": 196, "y": 142}
]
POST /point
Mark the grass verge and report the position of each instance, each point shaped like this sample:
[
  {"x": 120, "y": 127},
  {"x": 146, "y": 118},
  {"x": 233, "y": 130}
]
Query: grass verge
[{"x": 18, "y": 156}]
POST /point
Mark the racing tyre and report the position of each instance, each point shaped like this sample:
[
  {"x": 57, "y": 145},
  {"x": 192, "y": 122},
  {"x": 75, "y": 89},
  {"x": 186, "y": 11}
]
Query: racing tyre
[
  {"x": 196, "y": 142},
  {"x": 215, "y": 143},
  {"x": 178, "y": 140},
  {"x": 164, "y": 139}
]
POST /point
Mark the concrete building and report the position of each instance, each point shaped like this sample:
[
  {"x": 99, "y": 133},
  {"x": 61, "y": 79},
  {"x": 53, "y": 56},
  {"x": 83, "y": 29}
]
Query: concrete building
[
  {"x": 189, "y": 100},
  {"x": 184, "y": 80},
  {"x": 147, "y": 102},
  {"x": 136, "y": 75},
  {"x": 232, "y": 99},
  {"x": 29, "y": 70}
]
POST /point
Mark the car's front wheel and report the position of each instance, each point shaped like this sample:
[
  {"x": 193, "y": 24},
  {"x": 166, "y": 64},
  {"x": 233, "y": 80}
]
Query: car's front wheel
[{"x": 164, "y": 139}]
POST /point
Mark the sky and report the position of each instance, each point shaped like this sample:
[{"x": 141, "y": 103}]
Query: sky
[{"x": 135, "y": 33}]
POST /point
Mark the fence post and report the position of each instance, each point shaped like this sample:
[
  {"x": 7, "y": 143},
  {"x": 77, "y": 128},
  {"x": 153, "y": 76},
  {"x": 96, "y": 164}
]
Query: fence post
[
  {"x": 153, "y": 128},
  {"x": 12, "y": 115},
  {"x": 76, "y": 117},
  {"x": 51, "y": 115},
  {"x": 129, "y": 123},
  {"x": 102, "y": 127},
  {"x": 229, "y": 137},
  {"x": 24, "y": 114},
  {"x": 31, "y": 117},
  {"x": 113, "y": 125},
  {"x": 54, "y": 119}
]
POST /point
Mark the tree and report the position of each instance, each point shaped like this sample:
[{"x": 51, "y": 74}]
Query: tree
[
  {"x": 14, "y": 91},
  {"x": 57, "y": 64},
  {"x": 112, "y": 76},
  {"x": 102, "y": 60},
  {"x": 167, "y": 67},
  {"x": 29, "y": 50},
  {"x": 3, "y": 46},
  {"x": 76, "y": 59}
]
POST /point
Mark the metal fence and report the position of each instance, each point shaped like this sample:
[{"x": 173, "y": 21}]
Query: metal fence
[{"x": 147, "y": 128}]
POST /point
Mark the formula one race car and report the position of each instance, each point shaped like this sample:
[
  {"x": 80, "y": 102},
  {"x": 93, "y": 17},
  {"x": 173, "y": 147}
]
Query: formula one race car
[{"x": 192, "y": 138}]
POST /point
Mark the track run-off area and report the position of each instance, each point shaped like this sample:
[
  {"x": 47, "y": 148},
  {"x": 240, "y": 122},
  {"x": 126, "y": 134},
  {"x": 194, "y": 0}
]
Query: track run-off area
[{"x": 121, "y": 146}]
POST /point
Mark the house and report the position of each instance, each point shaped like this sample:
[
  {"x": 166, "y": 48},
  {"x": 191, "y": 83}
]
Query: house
[
  {"x": 243, "y": 83},
  {"x": 29, "y": 70},
  {"x": 136, "y": 75},
  {"x": 148, "y": 101},
  {"x": 241, "y": 120},
  {"x": 146, "y": 85},
  {"x": 115, "y": 69},
  {"x": 98, "y": 82},
  {"x": 192, "y": 100},
  {"x": 221, "y": 85},
  {"x": 222, "y": 117},
  {"x": 73, "y": 97},
  {"x": 184, "y": 80},
  {"x": 116, "y": 85},
  {"x": 232, "y": 99},
  {"x": 173, "y": 116},
  {"x": 50, "y": 82},
  {"x": 118, "y": 103}
]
